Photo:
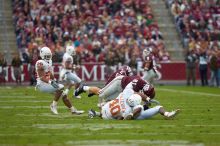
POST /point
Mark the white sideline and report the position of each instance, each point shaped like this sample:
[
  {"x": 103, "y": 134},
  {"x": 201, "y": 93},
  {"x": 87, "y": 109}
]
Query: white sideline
[{"x": 188, "y": 92}]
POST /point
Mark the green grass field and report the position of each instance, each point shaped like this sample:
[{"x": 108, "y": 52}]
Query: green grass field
[{"x": 25, "y": 119}]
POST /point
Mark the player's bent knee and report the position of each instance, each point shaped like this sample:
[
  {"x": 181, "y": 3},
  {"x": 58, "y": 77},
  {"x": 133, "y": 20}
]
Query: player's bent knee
[{"x": 158, "y": 107}]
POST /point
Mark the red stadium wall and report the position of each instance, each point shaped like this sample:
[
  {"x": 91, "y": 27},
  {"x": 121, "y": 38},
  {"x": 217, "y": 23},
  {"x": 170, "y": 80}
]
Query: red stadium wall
[{"x": 96, "y": 72}]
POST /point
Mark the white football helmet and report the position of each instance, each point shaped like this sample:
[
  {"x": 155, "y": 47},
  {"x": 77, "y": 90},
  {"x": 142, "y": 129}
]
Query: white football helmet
[
  {"x": 146, "y": 52},
  {"x": 45, "y": 54},
  {"x": 70, "y": 50},
  {"x": 134, "y": 100}
]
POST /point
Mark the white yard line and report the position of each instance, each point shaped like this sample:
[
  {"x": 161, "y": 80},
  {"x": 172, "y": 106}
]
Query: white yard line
[
  {"x": 16, "y": 96},
  {"x": 202, "y": 125},
  {"x": 188, "y": 92},
  {"x": 61, "y": 115},
  {"x": 24, "y": 101},
  {"x": 134, "y": 142},
  {"x": 93, "y": 127},
  {"x": 31, "y": 107}
]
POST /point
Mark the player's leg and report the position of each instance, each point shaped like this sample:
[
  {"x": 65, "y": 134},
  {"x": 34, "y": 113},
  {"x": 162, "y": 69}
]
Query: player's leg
[
  {"x": 47, "y": 88},
  {"x": 145, "y": 114},
  {"x": 155, "y": 110},
  {"x": 84, "y": 88},
  {"x": 67, "y": 102},
  {"x": 74, "y": 79},
  {"x": 111, "y": 88}
]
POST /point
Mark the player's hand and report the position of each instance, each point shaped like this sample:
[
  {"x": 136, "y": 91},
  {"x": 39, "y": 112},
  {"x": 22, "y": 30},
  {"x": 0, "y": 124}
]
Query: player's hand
[
  {"x": 54, "y": 83},
  {"x": 128, "y": 116}
]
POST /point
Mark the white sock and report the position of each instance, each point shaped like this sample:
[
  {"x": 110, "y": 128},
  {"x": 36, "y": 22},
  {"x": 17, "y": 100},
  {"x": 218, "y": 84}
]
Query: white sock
[
  {"x": 67, "y": 90},
  {"x": 54, "y": 103},
  {"x": 166, "y": 113},
  {"x": 97, "y": 113},
  {"x": 73, "y": 109},
  {"x": 86, "y": 88}
]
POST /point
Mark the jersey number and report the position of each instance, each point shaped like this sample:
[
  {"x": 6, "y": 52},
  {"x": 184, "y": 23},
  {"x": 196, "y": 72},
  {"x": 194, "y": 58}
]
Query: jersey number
[{"x": 114, "y": 107}]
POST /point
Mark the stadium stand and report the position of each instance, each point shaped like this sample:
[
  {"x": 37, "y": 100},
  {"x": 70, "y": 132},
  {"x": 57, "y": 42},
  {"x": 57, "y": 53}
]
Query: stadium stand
[
  {"x": 198, "y": 23},
  {"x": 100, "y": 29}
]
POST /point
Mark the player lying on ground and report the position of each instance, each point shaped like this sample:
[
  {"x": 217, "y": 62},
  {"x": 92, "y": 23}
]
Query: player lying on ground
[
  {"x": 68, "y": 74},
  {"x": 46, "y": 82},
  {"x": 128, "y": 106},
  {"x": 117, "y": 85}
]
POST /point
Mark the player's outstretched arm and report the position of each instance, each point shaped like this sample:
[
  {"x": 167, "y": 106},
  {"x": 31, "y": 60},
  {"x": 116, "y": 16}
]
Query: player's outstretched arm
[{"x": 133, "y": 115}]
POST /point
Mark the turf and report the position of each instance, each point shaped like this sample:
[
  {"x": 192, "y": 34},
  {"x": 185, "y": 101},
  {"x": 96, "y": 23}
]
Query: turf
[{"x": 25, "y": 119}]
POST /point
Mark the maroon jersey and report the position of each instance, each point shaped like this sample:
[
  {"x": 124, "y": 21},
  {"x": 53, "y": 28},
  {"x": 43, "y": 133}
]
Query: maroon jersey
[
  {"x": 138, "y": 85},
  {"x": 124, "y": 71}
]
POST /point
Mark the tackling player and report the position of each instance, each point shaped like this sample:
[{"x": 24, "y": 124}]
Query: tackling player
[
  {"x": 117, "y": 85},
  {"x": 46, "y": 81},
  {"x": 128, "y": 106},
  {"x": 67, "y": 74}
]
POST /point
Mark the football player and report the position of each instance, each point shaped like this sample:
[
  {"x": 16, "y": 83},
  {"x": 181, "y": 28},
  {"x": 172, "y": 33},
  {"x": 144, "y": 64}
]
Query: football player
[
  {"x": 118, "y": 84},
  {"x": 128, "y": 106},
  {"x": 46, "y": 81},
  {"x": 68, "y": 74},
  {"x": 149, "y": 66}
]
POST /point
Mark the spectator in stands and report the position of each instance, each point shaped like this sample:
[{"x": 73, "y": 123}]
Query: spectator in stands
[
  {"x": 191, "y": 61},
  {"x": 203, "y": 67},
  {"x": 3, "y": 64},
  {"x": 214, "y": 68},
  {"x": 103, "y": 22},
  {"x": 17, "y": 68},
  {"x": 31, "y": 66}
]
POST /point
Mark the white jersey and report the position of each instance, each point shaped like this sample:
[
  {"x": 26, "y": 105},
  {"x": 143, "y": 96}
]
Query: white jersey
[
  {"x": 116, "y": 108},
  {"x": 67, "y": 57},
  {"x": 46, "y": 66}
]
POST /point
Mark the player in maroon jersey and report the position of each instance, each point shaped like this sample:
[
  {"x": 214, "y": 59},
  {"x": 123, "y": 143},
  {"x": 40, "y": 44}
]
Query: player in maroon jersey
[
  {"x": 117, "y": 85},
  {"x": 149, "y": 66}
]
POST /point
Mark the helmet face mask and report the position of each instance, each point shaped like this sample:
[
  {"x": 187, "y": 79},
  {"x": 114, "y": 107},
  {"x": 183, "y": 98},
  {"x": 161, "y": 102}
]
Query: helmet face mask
[
  {"x": 146, "y": 52},
  {"x": 128, "y": 70},
  {"x": 46, "y": 54}
]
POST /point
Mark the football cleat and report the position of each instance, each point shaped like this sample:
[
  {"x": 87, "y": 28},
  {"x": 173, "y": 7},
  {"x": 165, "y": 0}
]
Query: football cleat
[
  {"x": 91, "y": 113},
  {"x": 91, "y": 94},
  {"x": 77, "y": 97},
  {"x": 77, "y": 112},
  {"x": 172, "y": 114},
  {"x": 53, "y": 109},
  {"x": 79, "y": 90}
]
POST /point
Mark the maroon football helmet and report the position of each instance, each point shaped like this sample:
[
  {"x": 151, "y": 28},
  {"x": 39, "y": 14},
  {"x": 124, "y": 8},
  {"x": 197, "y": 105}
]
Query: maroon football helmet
[
  {"x": 127, "y": 70},
  {"x": 148, "y": 90}
]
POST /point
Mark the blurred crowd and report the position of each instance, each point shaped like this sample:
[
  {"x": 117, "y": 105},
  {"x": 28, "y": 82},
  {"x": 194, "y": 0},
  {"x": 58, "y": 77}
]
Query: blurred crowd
[
  {"x": 198, "y": 23},
  {"x": 110, "y": 31}
]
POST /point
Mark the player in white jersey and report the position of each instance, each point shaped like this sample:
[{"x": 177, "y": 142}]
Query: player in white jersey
[
  {"x": 46, "y": 81},
  {"x": 67, "y": 74},
  {"x": 128, "y": 106}
]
